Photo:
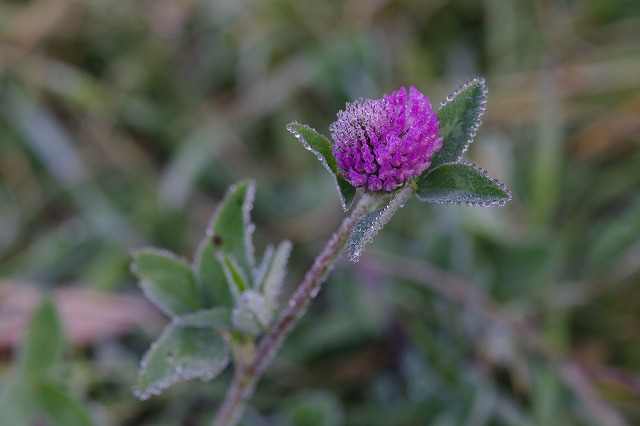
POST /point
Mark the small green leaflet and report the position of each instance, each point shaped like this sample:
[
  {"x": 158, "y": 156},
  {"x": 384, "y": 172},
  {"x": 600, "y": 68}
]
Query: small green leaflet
[
  {"x": 461, "y": 183},
  {"x": 321, "y": 147},
  {"x": 181, "y": 353},
  {"x": 229, "y": 234},
  {"x": 459, "y": 116},
  {"x": 167, "y": 281}
]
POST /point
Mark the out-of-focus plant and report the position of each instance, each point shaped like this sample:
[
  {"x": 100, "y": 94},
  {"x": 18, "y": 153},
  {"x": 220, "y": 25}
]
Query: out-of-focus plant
[
  {"x": 224, "y": 304},
  {"x": 36, "y": 392}
]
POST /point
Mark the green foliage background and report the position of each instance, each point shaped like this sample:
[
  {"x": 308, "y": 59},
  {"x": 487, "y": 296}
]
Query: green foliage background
[{"x": 122, "y": 124}]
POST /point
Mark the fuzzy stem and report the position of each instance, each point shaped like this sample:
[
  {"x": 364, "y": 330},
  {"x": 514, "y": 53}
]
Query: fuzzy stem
[{"x": 246, "y": 378}]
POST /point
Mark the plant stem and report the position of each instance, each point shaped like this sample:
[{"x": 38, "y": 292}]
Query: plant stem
[{"x": 246, "y": 377}]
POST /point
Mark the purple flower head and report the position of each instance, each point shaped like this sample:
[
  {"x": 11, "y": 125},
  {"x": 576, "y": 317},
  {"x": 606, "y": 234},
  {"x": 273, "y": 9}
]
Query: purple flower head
[{"x": 382, "y": 143}]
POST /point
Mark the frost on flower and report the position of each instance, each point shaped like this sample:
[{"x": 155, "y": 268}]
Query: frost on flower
[{"x": 382, "y": 143}]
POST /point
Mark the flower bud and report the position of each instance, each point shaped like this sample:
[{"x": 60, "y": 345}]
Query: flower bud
[{"x": 382, "y": 143}]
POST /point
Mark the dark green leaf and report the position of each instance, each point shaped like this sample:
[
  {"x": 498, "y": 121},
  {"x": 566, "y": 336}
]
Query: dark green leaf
[
  {"x": 368, "y": 225},
  {"x": 181, "y": 353},
  {"x": 459, "y": 116},
  {"x": 321, "y": 147},
  {"x": 211, "y": 280},
  {"x": 207, "y": 318},
  {"x": 167, "y": 281},
  {"x": 60, "y": 408},
  {"x": 44, "y": 344},
  {"x": 229, "y": 233},
  {"x": 461, "y": 183}
]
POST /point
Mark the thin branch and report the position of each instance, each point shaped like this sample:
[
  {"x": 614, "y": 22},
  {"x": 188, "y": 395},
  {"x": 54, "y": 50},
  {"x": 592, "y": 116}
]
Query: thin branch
[{"x": 245, "y": 379}]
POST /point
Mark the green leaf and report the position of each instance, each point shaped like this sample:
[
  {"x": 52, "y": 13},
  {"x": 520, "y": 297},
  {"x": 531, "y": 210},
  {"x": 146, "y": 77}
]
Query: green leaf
[
  {"x": 211, "y": 279},
  {"x": 461, "y": 183},
  {"x": 60, "y": 408},
  {"x": 181, "y": 353},
  {"x": 229, "y": 233},
  {"x": 368, "y": 225},
  {"x": 459, "y": 116},
  {"x": 207, "y": 318},
  {"x": 44, "y": 344},
  {"x": 321, "y": 147},
  {"x": 167, "y": 281}
]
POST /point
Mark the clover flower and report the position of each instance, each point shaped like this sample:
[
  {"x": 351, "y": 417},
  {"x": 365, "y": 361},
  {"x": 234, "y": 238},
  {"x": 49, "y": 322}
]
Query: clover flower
[{"x": 382, "y": 143}]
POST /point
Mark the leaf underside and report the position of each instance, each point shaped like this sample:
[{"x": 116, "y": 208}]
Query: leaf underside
[{"x": 370, "y": 224}]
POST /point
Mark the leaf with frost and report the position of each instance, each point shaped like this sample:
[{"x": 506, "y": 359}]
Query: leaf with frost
[
  {"x": 230, "y": 233},
  {"x": 167, "y": 281},
  {"x": 251, "y": 314},
  {"x": 459, "y": 116},
  {"x": 212, "y": 282},
  {"x": 260, "y": 272},
  {"x": 207, "y": 318},
  {"x": 181, "y": 353},
  {"x": 370, "y": 224},
  {"x": 321, "y": 147},
  {"x": 461, "y": 183},
  {"x": 274, "y": 277}
]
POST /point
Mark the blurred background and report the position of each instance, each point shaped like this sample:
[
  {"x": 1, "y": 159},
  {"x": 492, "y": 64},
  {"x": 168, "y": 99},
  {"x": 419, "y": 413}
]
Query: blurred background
[{"x": 122, "y": 124}]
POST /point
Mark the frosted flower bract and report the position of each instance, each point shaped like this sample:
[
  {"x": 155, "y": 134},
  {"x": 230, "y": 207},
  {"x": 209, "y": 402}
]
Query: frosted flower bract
[{"x": 382, "y": 143}]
